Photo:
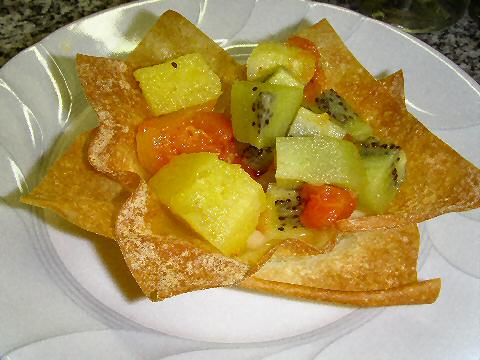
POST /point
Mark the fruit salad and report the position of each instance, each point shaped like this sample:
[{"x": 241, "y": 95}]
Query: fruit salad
[
  {"x": 318, "y": 161},
  {"x": 297, "y": 173}
]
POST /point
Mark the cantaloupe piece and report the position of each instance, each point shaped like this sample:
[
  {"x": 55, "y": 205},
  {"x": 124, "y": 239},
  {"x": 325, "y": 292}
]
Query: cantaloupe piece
[
  {"x": 220, "y": 201},
  {"x": 178, "y": 83}
]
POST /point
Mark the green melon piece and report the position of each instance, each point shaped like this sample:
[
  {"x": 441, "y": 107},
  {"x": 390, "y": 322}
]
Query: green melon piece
[
  {"x": 261, "y": 112},
  {"x": 220, "y": 201},
  {"x": 307, "y": 123},
  {"x": 320, "y": 160}
]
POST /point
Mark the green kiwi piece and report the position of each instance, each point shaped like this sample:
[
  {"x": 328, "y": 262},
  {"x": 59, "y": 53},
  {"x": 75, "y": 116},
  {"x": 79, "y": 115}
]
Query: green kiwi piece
[
  {"x": 261, "y": 112},
  {"x": 342, "y": 114},
  {"x": 282, "y": 215},
  {"x": 385, "y": 169},
  {"x": 320, "y": 160},
  {"x": 307, "y": 123}
]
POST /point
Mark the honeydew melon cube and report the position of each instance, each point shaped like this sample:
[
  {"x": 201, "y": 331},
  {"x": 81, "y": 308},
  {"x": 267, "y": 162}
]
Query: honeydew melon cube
[
  {"x": 220, "y": 201},
  {"x": 179, "y": 83}
]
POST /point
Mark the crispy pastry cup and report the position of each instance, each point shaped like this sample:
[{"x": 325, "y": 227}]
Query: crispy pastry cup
[{"x": 375, "y": 267}]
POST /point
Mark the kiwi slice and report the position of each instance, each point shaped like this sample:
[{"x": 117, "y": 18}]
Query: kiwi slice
[
  {"x": 320, "y": 160},
  {"x": 261, "y": 112},
  {"x": 307, "y": 123},
  {"x": 342, "y": 114},
  {"x": 385, "y": 169},
  {"x": 282, "y": 215}
]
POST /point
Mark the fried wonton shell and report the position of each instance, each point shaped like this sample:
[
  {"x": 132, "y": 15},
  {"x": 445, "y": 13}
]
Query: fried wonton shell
[
  {"x": 117, "y": 99},
  {"x": 79, "y": 193},
  {"x": 166, "y": 261},
  {"x": 362, "y": 261},
  {"x": 371, "y": 268},
  {"x": 438, "y": 179}
]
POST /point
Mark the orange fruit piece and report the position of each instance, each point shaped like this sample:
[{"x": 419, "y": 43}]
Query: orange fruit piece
[
  {"x": 325, "y": 204},
  {"x": 160, "y": 139}
]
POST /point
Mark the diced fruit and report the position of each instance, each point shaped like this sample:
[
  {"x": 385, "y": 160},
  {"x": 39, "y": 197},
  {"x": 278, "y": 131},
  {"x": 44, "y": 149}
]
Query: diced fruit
[
  {"x": 320, "y": 160},
  {"x": 255, "y": 161},
  {"x": 385, "y": 166},
  {"x": 218, "y": 200},
  {"x": 283, "y": 77},
  {"x": 160, "y": 139},
  {"x": 325, "y": 204},
  {"x": 267, "y": 57},
  {"x": 261, "y": 112},
  {"x": 179, "y": 83},
  {"x": 281, "y": 219},
  {"x": 342, "y": 114},
  {"x": 307, "y": 123}
]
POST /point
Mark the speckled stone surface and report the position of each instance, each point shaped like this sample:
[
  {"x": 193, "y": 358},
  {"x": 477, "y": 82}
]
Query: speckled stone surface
[{"x": 23, "y": 23}]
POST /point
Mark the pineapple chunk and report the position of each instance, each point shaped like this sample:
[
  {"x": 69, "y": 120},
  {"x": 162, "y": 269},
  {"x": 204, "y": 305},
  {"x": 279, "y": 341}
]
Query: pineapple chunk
[
  {"x": 179, "y": 83},
  {"x": 268, "y": 57},
  {"x": 218, "y": 200}
]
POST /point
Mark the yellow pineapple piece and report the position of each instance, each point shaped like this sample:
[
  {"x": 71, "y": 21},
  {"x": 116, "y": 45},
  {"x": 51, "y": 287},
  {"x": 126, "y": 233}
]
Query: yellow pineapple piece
[
  {"x": 219, "y": 200},
  {"x": 179, "y": 83}
]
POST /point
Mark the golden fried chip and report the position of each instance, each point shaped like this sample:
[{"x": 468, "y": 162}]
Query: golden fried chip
[
  {"x": 78, "y": 193},
  {"x": 438, "y": 179},
  {"x": 115, "y": 96},
  {"x": 371, "y": 268},
  {"x": 423, "y": 292},
  {"x": 362, "y": 261},
  {"x": 172, "y": 36}
]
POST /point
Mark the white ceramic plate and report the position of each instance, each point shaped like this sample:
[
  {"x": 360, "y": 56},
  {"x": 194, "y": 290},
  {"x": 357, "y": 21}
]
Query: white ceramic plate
[{"x": 67, "y": 294}]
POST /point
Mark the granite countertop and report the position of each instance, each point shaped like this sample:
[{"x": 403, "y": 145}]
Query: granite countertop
[{"x": 26, "y": 22}]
